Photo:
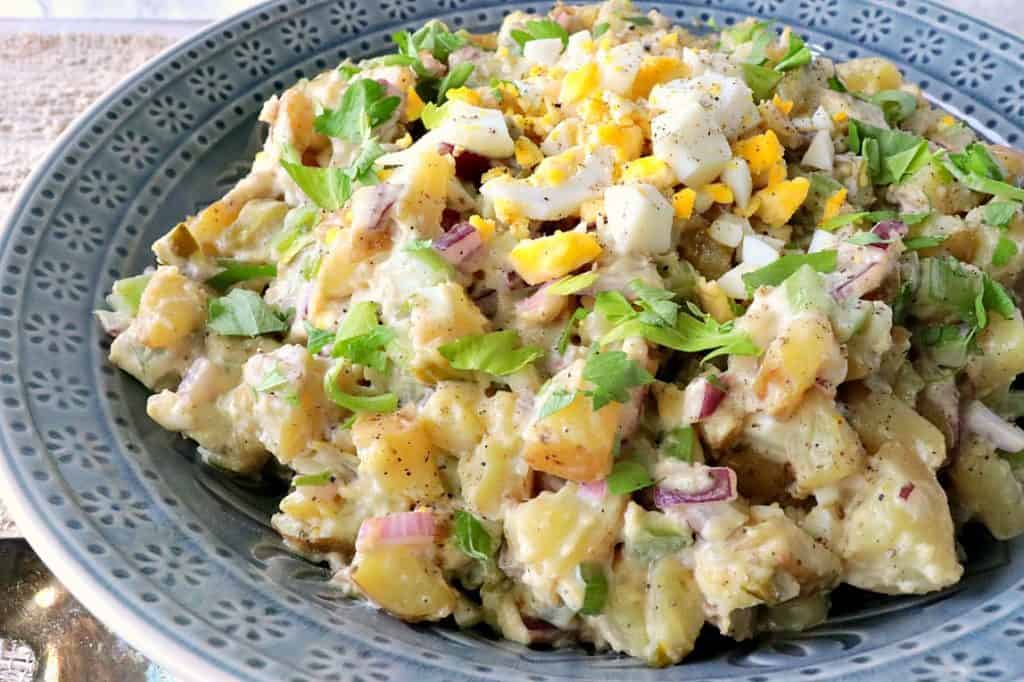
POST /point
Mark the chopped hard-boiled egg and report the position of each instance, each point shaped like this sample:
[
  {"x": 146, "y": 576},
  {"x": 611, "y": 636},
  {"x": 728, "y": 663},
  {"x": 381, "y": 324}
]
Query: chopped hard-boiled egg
[
  {"x": 547, "y": 258},
  {"x": 638, "y": 220},
  {"x": 650, "y": 170},
  {"x": 820, "y": 153},
  {"x": 556, "y": 201},
  {"x": 762, "y": 152},
  {"x": 736, "y": 177},
  {"x": 728, "y": 100},
  {"x": 619, "y": 67},
  {"x": 691, "y": 143},
  {"x": 477, "y": 129},
  {"x": 544, "y": 52},
  {"x": 777, "y": 203}
]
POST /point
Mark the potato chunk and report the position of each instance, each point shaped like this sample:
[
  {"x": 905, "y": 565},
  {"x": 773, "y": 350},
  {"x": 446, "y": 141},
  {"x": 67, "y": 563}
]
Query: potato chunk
[
  {"x": 816, "y": 443},
  {"x": 654, "y": 610},
  {"x": 1001, "y": 354},
  {"x": 769, "y": 561},
  {"x": 576, "y": 442},
  {"x": 441, "y": 314},
  {"x": 550, "y": 535},
  {"x": 403, "y": 582},
  {"x": 880, "y": 418},
  {"x": 172, "y": 307},
  {"x": 292, "y": 414},
  {"x": 898, "y": 534},
  {"x": 984, "y": 483},
  {"x": 395, "y": 451},
  {"x": 792, "y": 362},
  {"x": 452, "y": 416},
  {"x": 495, "y": 473}
]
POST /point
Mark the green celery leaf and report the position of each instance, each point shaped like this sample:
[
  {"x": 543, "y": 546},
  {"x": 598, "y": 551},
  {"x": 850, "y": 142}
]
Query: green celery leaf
[
  {"x": 425, "y": 252},
  {"x": 1000, "y": 213},
  {"x": 595, "y": 588},
  {"x": 455, "y": 78},
  {"x": 681, "y": 443},
  {"x": 797, "y": 54},
  {"x": 778, "y": 271},
  {"x": 557, "y": 400},
  {"x": 923, "y": 242},
  {"x": 613, "y": 373},
  {"x": 539, "y": 29},
  {"x": 497, "y": 353},
  {"x": 578, "y": 315},
  {"x": 761, "y": 80},
  {"x": 1004, "y": 252},
  {"x": 628, "y": 476},
  {"x": 897, "y": 105},
  {"x": 472, "y": 538},
  {"x": 996, "y": 298},
  {"x": 235, "y": 271},
  {"x": 244, "y": 313},
  {"x": 601, "y": 29},
  {"x": 364, "y": 105},
  {"x": 571, "y": 284},
  {"x": 317, "y": 339}
]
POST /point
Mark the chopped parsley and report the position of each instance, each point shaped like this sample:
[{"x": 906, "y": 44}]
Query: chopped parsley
[
  {"x": 244, "y": 313},
  {"x": 497, "y": 353},
  {"x": 540, "y": 29},
  {"x": 613, "y": 373}
]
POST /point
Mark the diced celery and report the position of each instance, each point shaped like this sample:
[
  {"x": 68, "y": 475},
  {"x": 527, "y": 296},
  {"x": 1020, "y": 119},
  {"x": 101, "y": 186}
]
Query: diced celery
[
  {"x": 127, "y": 293},
  {"x": 805, "y": 290}
]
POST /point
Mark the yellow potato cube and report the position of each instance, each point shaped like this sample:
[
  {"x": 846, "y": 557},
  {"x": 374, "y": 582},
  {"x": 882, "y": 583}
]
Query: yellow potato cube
[
  {"x": 553, "y": 533},
  {"x": 870, "y": 75},
  {"x": 395, "y": 451},
  {"x": 452, "y": 417},
  {"x": 984, "y": 483},
  {"x": 546, "y": 258},
  {"x": 881, "y": 417},
  {"x": 172, "y": 307},
  {"x": 403, "y": 582},
  {"x": 1001, "y": 356},
  {"x": 897, "y": 535},
  {"x": 440, "y": 314},
  {"x": 211, "y": 221},
  {"x": 792, "y": 362},
  {"x": 576, "y": 442}
]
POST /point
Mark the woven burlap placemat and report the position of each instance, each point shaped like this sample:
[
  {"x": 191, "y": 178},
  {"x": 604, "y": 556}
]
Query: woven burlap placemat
[{"x": 46, "y": 81}]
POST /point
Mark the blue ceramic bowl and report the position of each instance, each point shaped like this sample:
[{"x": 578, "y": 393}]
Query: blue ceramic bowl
[{"x": 182, "y": 563}]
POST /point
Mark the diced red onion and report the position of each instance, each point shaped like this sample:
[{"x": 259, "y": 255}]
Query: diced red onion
[
  {"x": 371, "y": 203},
  {"x": 540, "y": 631},
  {"x": 889, "y": 230},
  {"x": 470, "y": 166},
  {"x": 595, "y": 491},
  {"x": 415, "y": 529},
  {"x": 563, "y": 18},
  {"x": 433, "y": 67},
  {"x": 459, "y": 244},
  {"x": 450, "y": 218},
  {"x": 989, "y": 425},
  {"x": 468, "y": 53},
  {"x": 722, "y": 489},
  {"x": 701, "y": 399},
  {"x": 906, "y": 490},
  {"x": 855, "y": 284}
]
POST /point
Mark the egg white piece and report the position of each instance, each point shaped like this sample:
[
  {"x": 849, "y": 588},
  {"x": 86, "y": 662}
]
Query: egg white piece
[
  {"x": 639, "y": 220},
  {"x": 689, "y": 140}
]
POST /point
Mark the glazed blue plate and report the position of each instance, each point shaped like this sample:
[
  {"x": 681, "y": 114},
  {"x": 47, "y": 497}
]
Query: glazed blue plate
[{"x": 181, "y": 562}]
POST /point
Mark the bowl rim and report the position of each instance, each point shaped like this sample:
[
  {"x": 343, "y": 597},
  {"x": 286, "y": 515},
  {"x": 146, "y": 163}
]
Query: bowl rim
[{"x": 184, "y": 662}]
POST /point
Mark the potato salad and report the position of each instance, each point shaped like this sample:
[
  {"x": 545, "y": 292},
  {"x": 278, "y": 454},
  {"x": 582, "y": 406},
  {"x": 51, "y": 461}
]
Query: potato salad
[{"x": 598, "y": 330}]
